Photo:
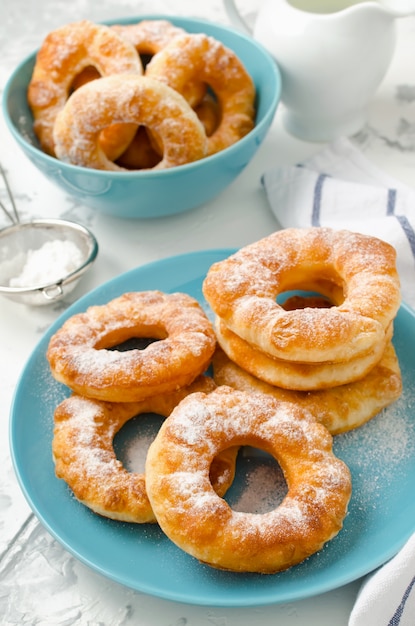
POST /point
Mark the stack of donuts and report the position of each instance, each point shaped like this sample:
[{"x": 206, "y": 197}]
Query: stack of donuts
[
  {"x": 330, "y": 344},
  {"x": 111, "y": 386},
  {"x": 138, "y": 96},
  {"x": 191, "y": 462}
]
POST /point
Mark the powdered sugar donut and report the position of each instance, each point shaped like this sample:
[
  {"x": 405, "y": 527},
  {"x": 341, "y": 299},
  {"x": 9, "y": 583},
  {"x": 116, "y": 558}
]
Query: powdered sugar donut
[
  {"x": 357, "y": 272},
  {"x": 83, "y": 452},
  {"x": 293, "y": 374},
  {"x": 149, "y": 37},
  {"x": 67, "y": 52},
  {"x": 80, "y": 354},
  {"x": 195, "y": 518},
  {"x": 340, "y": 408},
  {"x": 200, "y": 57},
  {"x": 129, "y": 99}
]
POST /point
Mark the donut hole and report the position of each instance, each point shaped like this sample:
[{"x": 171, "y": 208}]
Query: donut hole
[
  {"x": 209, "y": 111},
  {"x": 89, "y": 73},
  {"x": 259, "y": 485},
  {"x": 312, "y": 287},
  {"x": 145, "y": 58},
  {"x": 291, "y": 300},
  {"x": 144, "y": 152},
  {"x": 132, "y": 441},
  {"x": 133, "y": 343}
]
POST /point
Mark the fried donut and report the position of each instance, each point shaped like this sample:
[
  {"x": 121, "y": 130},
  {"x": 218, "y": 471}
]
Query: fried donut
[
  {"x": 130, "y": 99},
  {"x": 208, "y": 112},
  {"x": 295, "y": 375},
  {"x": 196, "y": 519},
  {"x": 83, "y": 452},
  {"x": 357, "y": 272},
  {"x": 201, "y": 57},
  {"x": 115, "y": 140},
  {"x": 149, "y": 37},
  {"x": 339, "y": 409},
  {"x": 66, "y": 53},
  {"x": 79, "y": 352}
]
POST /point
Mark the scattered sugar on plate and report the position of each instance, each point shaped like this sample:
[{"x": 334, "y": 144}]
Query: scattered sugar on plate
[
  {"x": 135, "y": 453},
  {"x": 380, "y": 449},
  {"x": 260, "y": 484},
  {"x": 265, "y": 488}
]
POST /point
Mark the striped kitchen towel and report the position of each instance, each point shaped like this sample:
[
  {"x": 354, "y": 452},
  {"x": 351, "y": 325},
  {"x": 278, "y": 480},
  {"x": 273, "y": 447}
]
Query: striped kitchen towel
[
  {"x": 387, "y": 597},
  {"x": 340, "y": 188}
]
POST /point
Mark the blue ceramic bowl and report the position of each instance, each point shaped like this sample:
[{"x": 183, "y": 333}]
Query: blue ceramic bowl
[{"x": 147, "y": 193}]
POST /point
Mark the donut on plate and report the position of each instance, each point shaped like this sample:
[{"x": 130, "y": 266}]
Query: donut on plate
[
  {"x": 80, "y": 354},
  {"x": 195, "y": 518},
  {"x": 84, "y": 456},
  {"x": 293, "y": 374},
  {"x": 340, "y": 408},
  {"x": 357, "y": 272}
]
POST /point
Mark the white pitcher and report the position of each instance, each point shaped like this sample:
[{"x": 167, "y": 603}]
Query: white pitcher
[{"x": 333, "y": 54}]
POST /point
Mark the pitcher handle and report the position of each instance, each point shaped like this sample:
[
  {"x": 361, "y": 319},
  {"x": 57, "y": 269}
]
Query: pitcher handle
[{"x": 235, "y": 17}]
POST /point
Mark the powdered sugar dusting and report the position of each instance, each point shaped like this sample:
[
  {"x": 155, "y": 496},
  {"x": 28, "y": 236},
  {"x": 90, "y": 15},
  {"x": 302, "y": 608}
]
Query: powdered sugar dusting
[
  {"x": 137, "y": 454},
  {"x": 203, "y": 425},
  {"x": 358, "y": 272},
  {"x": 205, "y": 421},
  {"x": 51, "y": 262},
  {"x": 262, "y": 485},
  {"x": 380, "y": 450}
]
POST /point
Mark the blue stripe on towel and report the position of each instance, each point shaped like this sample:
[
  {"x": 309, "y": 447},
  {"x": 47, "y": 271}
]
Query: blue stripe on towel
[
  {"x": 391, "y": 202},
  {"x": 402, "y": 219},
  {"x": 408, "y": 230},
  {"x": 315, "y": 215},
  {"x": 396, "y": 618}
]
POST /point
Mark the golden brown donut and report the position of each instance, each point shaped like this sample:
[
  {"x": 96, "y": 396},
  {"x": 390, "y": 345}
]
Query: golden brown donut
[
  {"x": 67, "y": 52},
  {"x": 200, "y": 57},
  {"x": 293, "y": 374},
  {"x": 340, "y": 408},
  {"x": 117, "y": 138},
  {"x": 149, "y": 37},
  {"x": 196, "y": 519},
  {"x": 208, "y": 112},
  {"x": 357, "y": 272},
  {"x": 79, "y": 352},
  {"x": 132, "y": 99},
  {"x": 83, "y": 452}
]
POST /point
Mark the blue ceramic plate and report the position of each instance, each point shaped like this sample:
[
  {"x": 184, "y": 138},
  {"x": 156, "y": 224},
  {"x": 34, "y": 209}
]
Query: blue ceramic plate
[{"x": 381, "y": 456}]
